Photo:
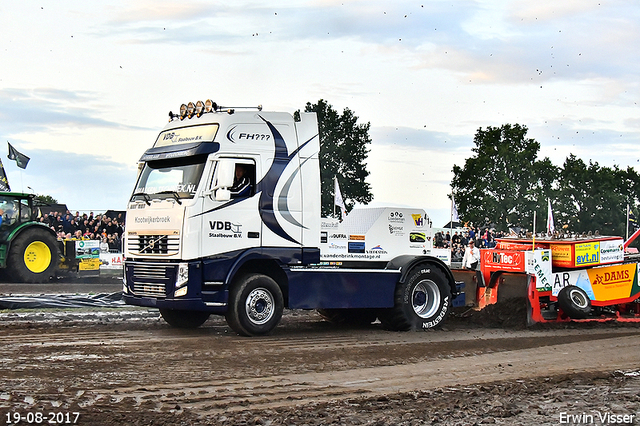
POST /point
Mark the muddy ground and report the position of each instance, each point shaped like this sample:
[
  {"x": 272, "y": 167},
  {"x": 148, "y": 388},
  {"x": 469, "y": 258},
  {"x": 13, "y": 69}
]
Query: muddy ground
[{"x": 125, "y": 366}]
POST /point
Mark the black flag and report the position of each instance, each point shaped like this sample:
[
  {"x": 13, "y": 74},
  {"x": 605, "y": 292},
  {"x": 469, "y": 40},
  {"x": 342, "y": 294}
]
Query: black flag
[
  {"x": 21, "y": 159},
  {"x": 4, "y": 183}
]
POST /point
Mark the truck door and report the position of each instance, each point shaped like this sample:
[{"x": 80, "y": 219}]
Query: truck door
[{"x": 232, "y": 224}]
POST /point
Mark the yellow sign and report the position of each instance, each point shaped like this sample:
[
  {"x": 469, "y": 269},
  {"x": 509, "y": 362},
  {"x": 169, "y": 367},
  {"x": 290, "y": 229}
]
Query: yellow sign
[
  {"x": 418, "y": 220},
  {"x": 612, "y": 282},
  {"x": 89, "y": 264},
  {"x": 561, "y": 254},
  {"x": 588, "y": 253}
]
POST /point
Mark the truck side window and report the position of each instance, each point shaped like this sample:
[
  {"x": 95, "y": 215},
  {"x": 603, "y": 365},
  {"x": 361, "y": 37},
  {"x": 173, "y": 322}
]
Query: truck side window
[{"x": 244, "y": 181}]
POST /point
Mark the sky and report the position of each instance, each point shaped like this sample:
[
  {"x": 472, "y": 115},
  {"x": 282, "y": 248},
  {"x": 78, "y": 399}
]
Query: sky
[{"x": 85, "y": 86}]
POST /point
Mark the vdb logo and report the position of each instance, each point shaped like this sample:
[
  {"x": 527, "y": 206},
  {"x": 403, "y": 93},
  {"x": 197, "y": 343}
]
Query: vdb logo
[{"x": 224, "y": 226}]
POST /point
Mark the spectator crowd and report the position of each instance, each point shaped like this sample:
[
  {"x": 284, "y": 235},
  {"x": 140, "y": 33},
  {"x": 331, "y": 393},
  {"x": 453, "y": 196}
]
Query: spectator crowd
[
  {"x": 483, "y": 238},
  {"x": 87, "y": 227}
]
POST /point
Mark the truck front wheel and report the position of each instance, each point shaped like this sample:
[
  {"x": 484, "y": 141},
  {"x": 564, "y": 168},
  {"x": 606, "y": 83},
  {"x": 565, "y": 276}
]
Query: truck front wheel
[
  {"x": 255, "y": 305},
  {"x": 184, "y": 319},
  {"x": 421, "y": 302},
  {"x": 33, "y": 257}
]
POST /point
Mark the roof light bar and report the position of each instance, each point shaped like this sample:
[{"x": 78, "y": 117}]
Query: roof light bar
[{"x": 200, "y": 108}]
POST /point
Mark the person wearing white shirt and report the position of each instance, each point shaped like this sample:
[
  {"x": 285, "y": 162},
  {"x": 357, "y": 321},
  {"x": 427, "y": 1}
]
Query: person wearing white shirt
[{"x": 471, "y": 256}]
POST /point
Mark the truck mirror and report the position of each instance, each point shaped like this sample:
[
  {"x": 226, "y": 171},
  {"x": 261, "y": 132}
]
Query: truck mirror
[
  {"x": 223, "y": 194},
  {"x": 225, "y": 174}
]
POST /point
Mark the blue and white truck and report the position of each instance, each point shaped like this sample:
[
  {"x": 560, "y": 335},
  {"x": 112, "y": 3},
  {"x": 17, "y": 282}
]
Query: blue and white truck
[{"x": 194, "y": 246}]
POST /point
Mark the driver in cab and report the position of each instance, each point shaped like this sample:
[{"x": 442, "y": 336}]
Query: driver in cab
[{"x": 241, "y": 183}]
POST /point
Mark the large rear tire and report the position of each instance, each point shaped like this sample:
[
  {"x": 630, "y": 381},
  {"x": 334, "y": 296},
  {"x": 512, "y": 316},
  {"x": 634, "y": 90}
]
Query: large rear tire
[
  {"x": 33, "y": 257},
  {"x": 421, "y": 302},
  {"x": 255, "y": 305},
  {"x": 184, "y": 319},
  {"x": 574, "y": 302}
]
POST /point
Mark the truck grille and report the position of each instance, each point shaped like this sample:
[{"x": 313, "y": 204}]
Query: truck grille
[
  {"x": 153, "y": 290},
  {"x": 153, "y": 244},
  {"x": 151, "y": 279}
]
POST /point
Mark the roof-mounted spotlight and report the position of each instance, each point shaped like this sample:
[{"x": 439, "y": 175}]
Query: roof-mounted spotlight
[
  {"x": 199, "y": 108},
  {"x": 190, "y": 109},
  {"x": 183, "y": 111},
  {"x": 210, "y": 106}
]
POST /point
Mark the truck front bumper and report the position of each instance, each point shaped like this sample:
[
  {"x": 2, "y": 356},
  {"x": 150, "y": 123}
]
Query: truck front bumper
[{"x": 168, "y": 285}]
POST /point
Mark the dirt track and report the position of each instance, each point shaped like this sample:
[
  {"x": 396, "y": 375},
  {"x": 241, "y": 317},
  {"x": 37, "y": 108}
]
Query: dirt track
[{"x": 126, "y": 366}]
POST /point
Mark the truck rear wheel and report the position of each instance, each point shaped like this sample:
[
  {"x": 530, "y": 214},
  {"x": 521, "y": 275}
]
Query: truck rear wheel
[
  {"x": 574, "y": 302},
  {"x": 33, "y": 257},
  {"x": 255, "y": 305},
  {"x": 184, "y": 319},
  {"x": 421, "y": 302}
]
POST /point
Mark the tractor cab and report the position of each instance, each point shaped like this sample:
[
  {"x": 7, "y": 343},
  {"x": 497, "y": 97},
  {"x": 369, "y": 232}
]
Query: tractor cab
[{"x": 15, "y": 209}]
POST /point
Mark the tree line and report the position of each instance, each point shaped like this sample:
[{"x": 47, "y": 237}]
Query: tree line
[
  {"x": 501, "y": 185},
  {"x": 504, "y": 182}
]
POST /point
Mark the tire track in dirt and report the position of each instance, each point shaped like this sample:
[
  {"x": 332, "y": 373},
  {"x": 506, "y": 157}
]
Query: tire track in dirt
[{"x": 212, "y": 397}]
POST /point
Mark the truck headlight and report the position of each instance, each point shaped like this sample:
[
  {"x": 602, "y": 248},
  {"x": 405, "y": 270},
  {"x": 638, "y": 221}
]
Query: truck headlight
[
  {"x": 182, "y": 278},
  {"x": 183, "y": 275}
]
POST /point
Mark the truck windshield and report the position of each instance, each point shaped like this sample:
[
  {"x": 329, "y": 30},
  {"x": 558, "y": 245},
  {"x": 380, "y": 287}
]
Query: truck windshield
[{"x": 168, "y": 178}]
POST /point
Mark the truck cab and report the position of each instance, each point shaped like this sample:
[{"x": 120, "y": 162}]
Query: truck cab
[
  {"x": 225, "y": 218},
  {"x": 185, "y": 224}
]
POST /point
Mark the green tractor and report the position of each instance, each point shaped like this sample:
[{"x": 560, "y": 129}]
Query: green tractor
[{"x": 29, "y": 250}]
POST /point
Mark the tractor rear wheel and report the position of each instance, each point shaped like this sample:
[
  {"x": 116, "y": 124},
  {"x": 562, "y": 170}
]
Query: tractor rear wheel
[{"x": 33, "y": 257}]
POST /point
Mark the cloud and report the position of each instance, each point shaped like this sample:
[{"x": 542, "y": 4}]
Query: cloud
[
  {"x": 589, "y": 141},
  {"x": 368, "y": 22},
  {"x": 83, "y": 182},
  {"x": 40, "y": 109},
  {"x": 419, "y": 138}
]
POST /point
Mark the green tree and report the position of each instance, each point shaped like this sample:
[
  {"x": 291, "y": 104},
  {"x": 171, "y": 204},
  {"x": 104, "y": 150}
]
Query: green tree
[
  {"x": 592, "y": 197},
  {"x": 504, "y": 182},
  {"x": 45, "y": 199},
  {"x": 343, "y": 154}
]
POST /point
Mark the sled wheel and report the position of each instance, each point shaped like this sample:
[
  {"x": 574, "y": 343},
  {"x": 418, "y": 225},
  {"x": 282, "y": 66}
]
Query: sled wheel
[
  {"x": 33, "y": 256},
  {"x": 421, "y": 302},
  {"x": 574, "y": 302},
  {"x": 184, "y": 319},
  {"x": 255, "y": 305},
  {"x": 349, "y": 316}
]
